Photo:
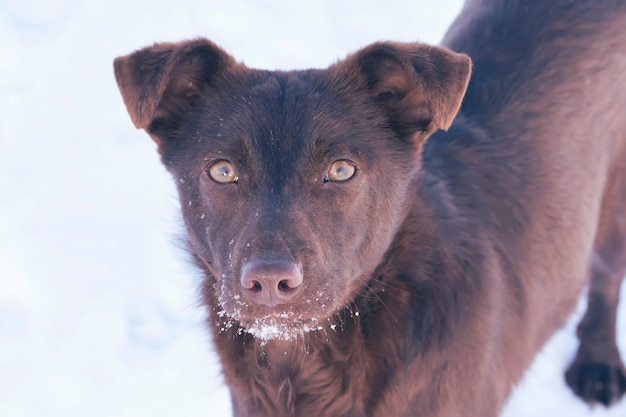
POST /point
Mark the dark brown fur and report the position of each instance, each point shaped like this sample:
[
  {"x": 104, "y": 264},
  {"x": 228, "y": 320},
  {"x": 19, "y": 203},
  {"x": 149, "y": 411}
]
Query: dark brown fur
[{"x": 432, "y": 277}]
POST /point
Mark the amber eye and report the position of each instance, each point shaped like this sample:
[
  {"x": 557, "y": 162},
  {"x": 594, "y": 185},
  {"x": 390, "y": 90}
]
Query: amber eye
[
  {"x": 223, "y": 172},
  {"x": 341, "y": 170}
]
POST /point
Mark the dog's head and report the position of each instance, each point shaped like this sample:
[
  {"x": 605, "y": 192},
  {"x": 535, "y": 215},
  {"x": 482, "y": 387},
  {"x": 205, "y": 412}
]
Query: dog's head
[{"x": 292, "y": 184}]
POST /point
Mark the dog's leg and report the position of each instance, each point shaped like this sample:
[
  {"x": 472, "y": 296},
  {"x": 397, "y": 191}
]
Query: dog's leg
[{"x": 597, "y": 373}]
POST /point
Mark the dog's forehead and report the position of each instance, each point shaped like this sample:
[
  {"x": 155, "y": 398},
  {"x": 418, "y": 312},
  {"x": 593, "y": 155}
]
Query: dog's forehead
[
  {"x": 286, "y": 100},
  {"x": 282, "y": 106},
  {"x": 278, "y": 114}
]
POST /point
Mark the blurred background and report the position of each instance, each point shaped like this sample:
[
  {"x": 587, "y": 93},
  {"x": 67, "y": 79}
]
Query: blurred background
[{"x": 98, "y": 305}]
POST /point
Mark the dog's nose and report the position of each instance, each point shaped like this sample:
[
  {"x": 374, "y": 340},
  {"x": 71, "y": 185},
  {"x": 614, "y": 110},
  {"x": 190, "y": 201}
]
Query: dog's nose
[{"x": 271, "y": 282}]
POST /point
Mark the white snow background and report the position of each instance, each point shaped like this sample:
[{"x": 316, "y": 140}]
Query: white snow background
[{"x": 98, "y": 307}]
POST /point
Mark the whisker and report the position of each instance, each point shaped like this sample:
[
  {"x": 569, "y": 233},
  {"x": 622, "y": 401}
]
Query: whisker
[
  {"x": 396, "y": 288},
  {"x": 375, "y": 294}
]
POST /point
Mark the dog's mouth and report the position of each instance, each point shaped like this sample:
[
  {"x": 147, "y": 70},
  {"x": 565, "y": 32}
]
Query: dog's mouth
[
  {"x": 314, "y": 309},
  {"x": 282, "y": 322},
  {"x": 284, "y": 325},
  {"x": 280, "y": 328}
]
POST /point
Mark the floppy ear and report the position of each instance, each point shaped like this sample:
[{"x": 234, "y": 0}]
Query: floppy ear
[
  {"x": 421, "y": 87},
  {"x": 160, "y": 83}
]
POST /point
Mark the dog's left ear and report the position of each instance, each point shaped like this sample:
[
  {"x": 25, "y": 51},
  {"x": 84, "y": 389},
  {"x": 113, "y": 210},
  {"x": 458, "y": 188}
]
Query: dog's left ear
[{"x": 421, "y": 87}]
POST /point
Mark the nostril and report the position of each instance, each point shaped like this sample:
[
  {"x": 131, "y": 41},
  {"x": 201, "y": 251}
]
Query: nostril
[
  {"x": 252, "y": 285},
  {"x": 287, "y": 285}
]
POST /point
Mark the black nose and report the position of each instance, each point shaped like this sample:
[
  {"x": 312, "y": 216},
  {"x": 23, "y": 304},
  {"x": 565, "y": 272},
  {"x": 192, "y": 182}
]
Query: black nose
[{"x": 271, "y": 282}]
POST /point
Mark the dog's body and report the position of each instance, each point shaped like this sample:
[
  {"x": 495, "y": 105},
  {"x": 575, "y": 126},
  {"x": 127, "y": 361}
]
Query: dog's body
[{"x": 354, "y": 268}]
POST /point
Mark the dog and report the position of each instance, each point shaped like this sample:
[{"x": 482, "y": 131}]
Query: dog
[{"x": 386, "y": 238}]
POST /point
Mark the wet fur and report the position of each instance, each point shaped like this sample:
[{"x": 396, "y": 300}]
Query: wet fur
[{"x": 434, "y": 276}]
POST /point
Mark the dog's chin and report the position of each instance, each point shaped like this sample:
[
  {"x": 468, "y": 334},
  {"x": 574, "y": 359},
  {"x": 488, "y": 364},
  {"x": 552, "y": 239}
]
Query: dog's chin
[
  {"x": 285, "y": 322},
  {"x": 279, "y": 325}
]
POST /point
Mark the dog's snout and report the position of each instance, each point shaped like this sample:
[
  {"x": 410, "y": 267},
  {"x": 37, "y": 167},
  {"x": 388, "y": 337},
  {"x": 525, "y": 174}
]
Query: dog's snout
[{"x": 271, "y": 282}]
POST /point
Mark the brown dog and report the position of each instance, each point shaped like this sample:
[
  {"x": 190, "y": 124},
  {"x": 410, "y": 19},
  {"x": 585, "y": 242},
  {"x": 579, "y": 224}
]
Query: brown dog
[{"x": 355, "y": 268}]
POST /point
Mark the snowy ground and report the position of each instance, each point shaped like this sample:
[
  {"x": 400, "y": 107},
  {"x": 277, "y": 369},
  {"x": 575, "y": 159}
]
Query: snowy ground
[{"x": 98, "y": 310}]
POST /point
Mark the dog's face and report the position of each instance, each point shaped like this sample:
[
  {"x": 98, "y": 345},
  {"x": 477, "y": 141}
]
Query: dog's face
[{"x": 292, "y": 184}]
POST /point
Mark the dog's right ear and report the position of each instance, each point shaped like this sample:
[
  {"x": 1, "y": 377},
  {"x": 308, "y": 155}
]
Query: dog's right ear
[{"x": 160, "y": 83}]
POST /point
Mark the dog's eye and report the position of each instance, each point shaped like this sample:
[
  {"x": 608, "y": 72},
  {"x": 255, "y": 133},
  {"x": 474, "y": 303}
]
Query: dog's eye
[
  {"x": 223, "y": 172},
  {"x": 341, "y": 170}
]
